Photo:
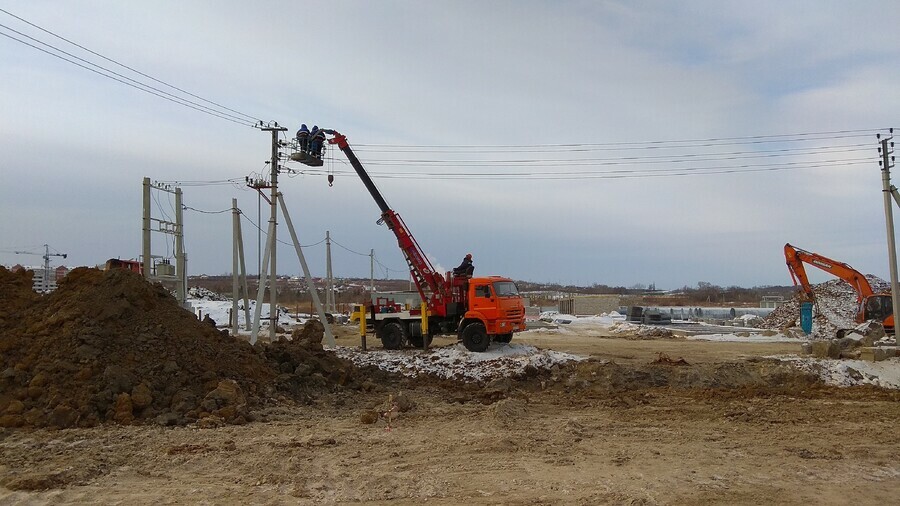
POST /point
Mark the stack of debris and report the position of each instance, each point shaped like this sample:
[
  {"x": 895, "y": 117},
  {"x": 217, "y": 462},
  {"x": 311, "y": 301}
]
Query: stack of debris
[
  {"x": 835, "y": 333},
  {"x": 835, "y": 308}
]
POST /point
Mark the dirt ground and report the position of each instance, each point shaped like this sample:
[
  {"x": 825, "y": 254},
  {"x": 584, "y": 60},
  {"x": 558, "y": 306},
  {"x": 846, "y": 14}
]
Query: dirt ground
[{"x": 728, "y": 428}]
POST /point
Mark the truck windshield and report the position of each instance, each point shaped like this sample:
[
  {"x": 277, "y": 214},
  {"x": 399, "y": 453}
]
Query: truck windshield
[{"x": 505, "y": 289}]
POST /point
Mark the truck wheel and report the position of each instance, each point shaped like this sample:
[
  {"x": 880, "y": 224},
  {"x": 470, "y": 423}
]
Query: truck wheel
[
  {"x": 475, "y": 337},
  {"x": 392, "y": 336},
  {"x": 417, "y": 341},
  {"x": 503, "y": 338}
]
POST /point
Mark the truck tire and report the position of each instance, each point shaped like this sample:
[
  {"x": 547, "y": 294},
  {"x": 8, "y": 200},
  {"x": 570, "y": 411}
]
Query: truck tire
[
  {"x": 392, "y": 335},
  {"x": 503, "y": 338},
  {"x": 417, "y": 342},
  {"x": 475, "y": 338}
]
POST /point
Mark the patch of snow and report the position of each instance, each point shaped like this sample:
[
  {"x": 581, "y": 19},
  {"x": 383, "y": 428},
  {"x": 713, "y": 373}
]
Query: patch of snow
[
  {"x": 845, "y": 373},
  {"x": 456, "y": 362},
  {"x": 752, "y": 338},
  {"x": 218, "y": 311}
]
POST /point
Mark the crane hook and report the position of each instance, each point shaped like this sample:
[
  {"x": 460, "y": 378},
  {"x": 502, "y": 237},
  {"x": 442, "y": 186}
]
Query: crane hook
[{"x": 330, "y": 180}]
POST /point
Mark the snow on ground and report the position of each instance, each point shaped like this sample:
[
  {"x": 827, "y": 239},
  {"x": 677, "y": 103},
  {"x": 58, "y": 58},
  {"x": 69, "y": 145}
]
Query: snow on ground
[
  {"x": 510, "y": 360},
  {"x": 456, "y": 362},
  {"x": 845, "y": 373},
  {"x": 744, "y": 337},
  {"x": 218, "y": 310}
]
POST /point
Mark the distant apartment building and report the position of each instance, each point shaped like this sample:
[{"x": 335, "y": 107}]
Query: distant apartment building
[{"x": 43, "y": 281}]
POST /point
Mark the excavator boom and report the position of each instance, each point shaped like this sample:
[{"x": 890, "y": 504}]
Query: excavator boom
[{"x": 796, "y": 257}]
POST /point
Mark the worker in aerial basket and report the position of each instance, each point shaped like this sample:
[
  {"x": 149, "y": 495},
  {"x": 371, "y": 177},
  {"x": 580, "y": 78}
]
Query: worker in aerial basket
[
  {"x": 316, "y": 142},
  {"x": 465, "y": 268},
  {"x": 303, "y": 137}
]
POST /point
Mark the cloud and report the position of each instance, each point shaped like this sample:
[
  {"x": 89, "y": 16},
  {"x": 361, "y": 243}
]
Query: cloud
[{"x": 462, "y": 74}]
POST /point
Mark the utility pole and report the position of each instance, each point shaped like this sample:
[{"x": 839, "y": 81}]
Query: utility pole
[
  {"x": 372, "y": 270},
  {"x": 145, "y": 240},
  {"x": 180, "y": 260},
  {"x": 887, "y": 163},
  {"x": 329, "y": 280},
  {"x": 273, "y": 276}
]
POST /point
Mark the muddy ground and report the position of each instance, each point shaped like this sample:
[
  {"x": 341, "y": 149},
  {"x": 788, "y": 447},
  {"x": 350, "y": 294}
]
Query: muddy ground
[{"x": 728, "y": 427}]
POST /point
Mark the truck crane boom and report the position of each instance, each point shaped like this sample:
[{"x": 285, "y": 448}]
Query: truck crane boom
[
  {"x": 478, "y": 310},
  {"x": 423, "y": 273}
]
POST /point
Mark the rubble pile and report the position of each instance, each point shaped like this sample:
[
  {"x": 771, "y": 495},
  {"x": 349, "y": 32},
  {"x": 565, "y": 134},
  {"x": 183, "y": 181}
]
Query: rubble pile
[
  {"x": 107, "y": 346},
  {"x": 835, "y": 308}
]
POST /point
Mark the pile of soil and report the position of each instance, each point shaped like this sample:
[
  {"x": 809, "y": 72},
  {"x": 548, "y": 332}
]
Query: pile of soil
[
  {"x": 15, "y": 294},
  {"x": 835, "y": 307},
  {"x": 109, "y": 346}
]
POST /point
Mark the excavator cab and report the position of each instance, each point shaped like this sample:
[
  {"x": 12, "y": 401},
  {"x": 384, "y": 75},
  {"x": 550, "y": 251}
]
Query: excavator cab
[{"x": 878, "y": 308}]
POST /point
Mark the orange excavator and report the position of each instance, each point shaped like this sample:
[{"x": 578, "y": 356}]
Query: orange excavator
[{"x": 872, "y": 306}]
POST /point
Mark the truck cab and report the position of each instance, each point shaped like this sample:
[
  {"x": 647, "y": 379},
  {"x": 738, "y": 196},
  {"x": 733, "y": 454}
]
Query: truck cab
[{"x": 494, "y": 311}]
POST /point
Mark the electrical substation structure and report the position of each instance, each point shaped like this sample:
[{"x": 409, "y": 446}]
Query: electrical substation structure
[{"x": 158, "y": 268}]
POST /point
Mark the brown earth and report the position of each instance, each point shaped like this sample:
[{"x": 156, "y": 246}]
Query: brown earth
[
  {"x": 641, "y": 422},
  {"x": 108, "y": 346}
]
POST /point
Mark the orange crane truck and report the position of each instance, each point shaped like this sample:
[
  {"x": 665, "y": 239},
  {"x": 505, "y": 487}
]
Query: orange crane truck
[
  {"x": 872, "y": 306},
  {"x": 477, "y": 309}
]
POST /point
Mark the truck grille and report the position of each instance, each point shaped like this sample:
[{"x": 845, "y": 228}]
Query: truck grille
[{"x": 514, "y": 314}]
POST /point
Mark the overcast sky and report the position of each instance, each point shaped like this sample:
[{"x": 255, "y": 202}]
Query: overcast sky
[{"x": 432, "y": 95}]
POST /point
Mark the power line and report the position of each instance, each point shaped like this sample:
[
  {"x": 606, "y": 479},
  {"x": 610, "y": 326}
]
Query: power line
[
  {"x": 124, "y": 79},
  {"x": 603, "y": 174},
  {"x": 681, "y": 143},
  {"x": 254, "y": 119},
  {"x": 265, "y": 233},
  {"x": 188, "y": 208}
]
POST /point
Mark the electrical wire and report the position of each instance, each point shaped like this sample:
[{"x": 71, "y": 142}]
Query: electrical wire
[
  {"x": 652, "y": 144},
  {"x": 254, "y": 119},
  {"x": 266, "y": 233},
  {"x": 615, "y": 173},
  {"x": 348, "y": 249},
  {"x": 188, "y": 208},
  {"x": 679, "y": 158},
  {"x": 125, "y": 80}
]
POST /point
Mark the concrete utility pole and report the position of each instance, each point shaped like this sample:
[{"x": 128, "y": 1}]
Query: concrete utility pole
[
  {"x": 239, "y": 282},
  {"x": 180, "y": 259},
  {"x": 887, "y": 162},
  {"x": 329, "y": 337},
  {"x": 329, "y": 280},
  {"x": 145, "y": 241},
  {"x": 273, "y": 276}
]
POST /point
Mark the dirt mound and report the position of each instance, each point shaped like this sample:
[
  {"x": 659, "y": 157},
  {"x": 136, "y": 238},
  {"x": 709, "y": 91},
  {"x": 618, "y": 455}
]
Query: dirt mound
[
  {"x": 16, "y": 294},
  {"x": 835, "y": 307},
  {"x": 109, "y": 346},
  {"x": 608, "y": 378}
]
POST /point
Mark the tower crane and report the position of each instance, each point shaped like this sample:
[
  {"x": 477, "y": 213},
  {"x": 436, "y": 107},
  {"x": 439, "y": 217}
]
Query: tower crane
[{"x": 45, "y": 285}]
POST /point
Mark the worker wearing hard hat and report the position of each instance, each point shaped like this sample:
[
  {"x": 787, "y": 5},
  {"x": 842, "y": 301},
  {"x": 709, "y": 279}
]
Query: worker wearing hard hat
[{"x": 465, "y": 268}]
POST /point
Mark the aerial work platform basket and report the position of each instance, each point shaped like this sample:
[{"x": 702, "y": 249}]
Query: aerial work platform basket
[{"x": 306, "y": 159}]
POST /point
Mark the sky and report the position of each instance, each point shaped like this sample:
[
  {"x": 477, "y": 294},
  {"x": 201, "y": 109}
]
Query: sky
[{"x": 574, "y": 142}]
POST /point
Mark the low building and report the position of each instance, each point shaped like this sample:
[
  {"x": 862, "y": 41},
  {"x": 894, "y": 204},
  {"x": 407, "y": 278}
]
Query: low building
[
  {"x": 590, "y": 304},
  {"x": 771, "y": 301}
]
